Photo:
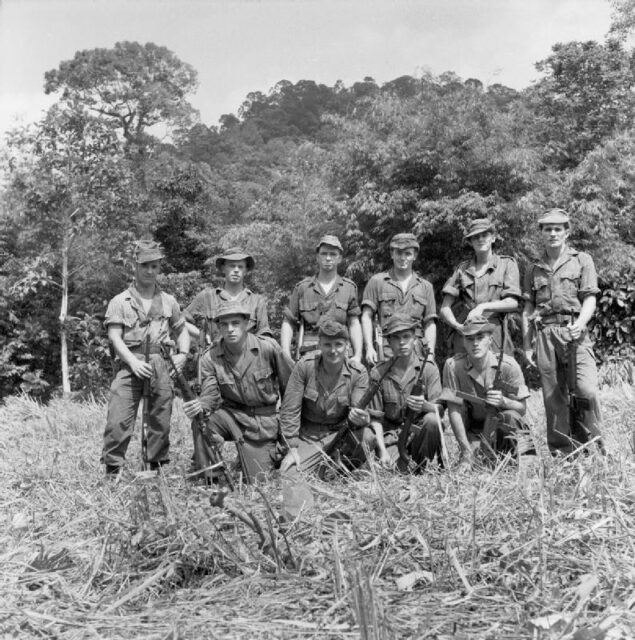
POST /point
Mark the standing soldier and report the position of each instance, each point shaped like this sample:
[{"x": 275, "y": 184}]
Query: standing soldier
[
  {"x": 399, "y": 290},
  {"x": 559, "y": 291},
  {"x": 326, "y": 295},
  {"x": 244, "y": 376},
  {"x": 486, "y": 285},
  {"x": 320, "y": 398},
  {"x": 396, "y": 396},
  {"x": 495, "y": 388},
  {"x": 234, "y": 264},
  {"x": 142, "y": 311}
]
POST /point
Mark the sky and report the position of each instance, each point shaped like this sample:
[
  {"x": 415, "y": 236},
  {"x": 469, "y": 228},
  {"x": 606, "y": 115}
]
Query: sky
[{"x": 239, "y": 46}]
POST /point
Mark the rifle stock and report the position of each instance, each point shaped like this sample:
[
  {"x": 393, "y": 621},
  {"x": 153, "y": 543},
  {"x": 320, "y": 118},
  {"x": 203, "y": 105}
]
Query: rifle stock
[
  {"x": 206, "y": 451},
  {"x": 300, "y": 340},
  {"x": 379, "y": 341},
  {"x": 145, "y": 416}
]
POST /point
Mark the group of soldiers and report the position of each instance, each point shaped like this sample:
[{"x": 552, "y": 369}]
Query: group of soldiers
[{"x": 362, "y": 379}]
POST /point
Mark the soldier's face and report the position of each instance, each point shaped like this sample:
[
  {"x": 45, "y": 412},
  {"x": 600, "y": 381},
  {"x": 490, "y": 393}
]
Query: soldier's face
[
  {"x": 146, "y": 272},
  {"x": 403, "y": 258},
  {"x": 554, "y": 235},
  {"x": 478, "y": 346},
  {"x": 402, "y": 343},
  {"x": 233, "y": 328},
  {"x": 333, "y": 349},
  {"x": 234, "y": 270},
  {"x": 328, "y": 258},
  {"x": 482, "y": 241}
]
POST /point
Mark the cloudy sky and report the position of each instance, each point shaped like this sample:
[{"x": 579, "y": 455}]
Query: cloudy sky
[{"x": 238, "y": 46}]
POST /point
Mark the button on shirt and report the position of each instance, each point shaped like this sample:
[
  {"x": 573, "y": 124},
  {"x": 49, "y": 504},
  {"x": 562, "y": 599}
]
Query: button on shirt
[
  {"x": 310, "y": 303},
  {"x": 308, "y": 401},
  {"x": 499, "y": 280},
  {"x": 460, "y": 375},
  {"x": 163, "y": 316},
  {"x": 256, "y": 380},
  {"x": 389, "y": 403},
  {"x": 563, "y": 286},
  {"x": 206, "y": 304},
  {"x": 384, "y": 296}
]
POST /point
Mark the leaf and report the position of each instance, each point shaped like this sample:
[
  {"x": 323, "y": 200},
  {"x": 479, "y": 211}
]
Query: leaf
[
  {"x": 408, "y": 582},
  {"x": 552, "y": 621}
]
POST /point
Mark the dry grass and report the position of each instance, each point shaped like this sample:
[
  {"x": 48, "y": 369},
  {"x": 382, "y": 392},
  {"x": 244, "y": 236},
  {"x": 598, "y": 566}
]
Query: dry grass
[{"x": 543, "y": 549}]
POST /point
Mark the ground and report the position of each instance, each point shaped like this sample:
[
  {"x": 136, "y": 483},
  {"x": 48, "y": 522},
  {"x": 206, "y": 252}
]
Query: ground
[{"x": 539, "y": 549}]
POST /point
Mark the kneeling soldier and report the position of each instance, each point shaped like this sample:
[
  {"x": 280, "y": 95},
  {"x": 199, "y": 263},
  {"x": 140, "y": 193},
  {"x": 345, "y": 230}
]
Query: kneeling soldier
[
  {"x": 409, "y": 372},
  {"x": 321, "y": 396},
  {"x": 486, "y": 394},
  {"x": 142, "y": 315},
  {"x": 243, "y": 378}
]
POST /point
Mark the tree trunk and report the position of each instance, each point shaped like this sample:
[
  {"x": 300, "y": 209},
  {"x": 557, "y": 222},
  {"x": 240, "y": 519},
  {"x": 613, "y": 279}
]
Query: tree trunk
[{"x": 66, "y": 384}]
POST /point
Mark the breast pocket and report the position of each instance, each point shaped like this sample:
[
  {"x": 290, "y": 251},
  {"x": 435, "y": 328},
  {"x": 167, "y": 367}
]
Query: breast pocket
[
  {"x": 264, "y": 381},
  {"x": 569, "y": 277},
  {"x": 418, "y": 306},
  {"x": 340, "y": 311},
  {"x": 541, "y": 288},
  {"x": 494, "y": 290},
  {"x": 387, "y": 305},
  {"x": 309, "y": 310}
]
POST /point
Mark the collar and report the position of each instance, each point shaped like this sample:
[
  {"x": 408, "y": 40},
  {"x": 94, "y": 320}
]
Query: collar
[
  {"x": 336, "y": 285},
  {"x": 569, "y": 253},
  {"x": 481, "y": 377},
  {"x": 251, "y": 344},
  {"x": 492, "y": 263}
]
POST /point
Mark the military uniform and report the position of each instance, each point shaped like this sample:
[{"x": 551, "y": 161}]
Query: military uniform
[
  {"x": 500, "y": 280},
  {"x": 460, "y": 375},
  {"x": 389, "y": 407},
  {"x": 244, "y": 393},
  {"x": 311, "y": 414},
  {"x": 309, "y": 303},
  {"x": 555, "y": 292},
  {"x": 163, "y": 317},
  {"x": 384, "y": 296}
]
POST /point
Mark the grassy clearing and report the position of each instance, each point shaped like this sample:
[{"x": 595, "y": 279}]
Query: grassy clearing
[{"x": 543, "y": 549}]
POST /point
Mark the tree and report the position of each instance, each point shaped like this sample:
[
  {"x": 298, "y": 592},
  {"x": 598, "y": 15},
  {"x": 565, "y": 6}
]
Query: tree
[{"x": 133, "y": 86}]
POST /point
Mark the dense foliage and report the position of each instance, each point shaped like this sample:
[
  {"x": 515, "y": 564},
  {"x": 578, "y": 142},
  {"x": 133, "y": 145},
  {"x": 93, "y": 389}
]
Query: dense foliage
[{"x": 425, "y": 154}]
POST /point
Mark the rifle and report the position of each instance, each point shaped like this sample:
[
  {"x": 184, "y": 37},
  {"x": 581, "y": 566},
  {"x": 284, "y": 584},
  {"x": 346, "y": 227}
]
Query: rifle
[
  {"x": 300, "y": 340},
  {"x": 499, "y": 384},
  {"x": 205, "y": 449},
  {"x": 145, "y": 416},
  {"x": 577, "y": 404},
  {"x": 202, "y": 345},
  {"x": 417, "y": 390},
  {"x": 379, "y": 341}
]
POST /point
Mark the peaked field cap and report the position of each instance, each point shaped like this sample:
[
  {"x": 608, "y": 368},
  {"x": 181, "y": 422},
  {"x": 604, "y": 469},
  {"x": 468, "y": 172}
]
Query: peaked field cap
[
  {"x": 398, "y": 322},
  {"x": 147, "y": 251},
  {"x": 477, "y": 226},
  {"x": 332, "y": 241},
  {"x": 235, "y": 253},
  {"x": 554, "y": 216},
  {"x": 404, "y": 241},
  {"x": 231, "y": 309},
  {"x": 330, "y": 328},
  {"x": 476, "y": 325}
]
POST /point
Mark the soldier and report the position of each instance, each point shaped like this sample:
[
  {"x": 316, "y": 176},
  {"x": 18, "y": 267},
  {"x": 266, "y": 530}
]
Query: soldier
[
  {"x": 326, "y": 295},
  {"x": 493, "y": 414},
  {"x": 559, "y": 291},
  {"x": 321, "y": 395},
  {"x": 141, "y": 311},
  {"x": 234, "y": 265},
  {"x": 486, "y": 285},
  {"x": 244, "y": 376},
  {"x": 388, "y": 407},
  {"x": 399, "y": 290}
]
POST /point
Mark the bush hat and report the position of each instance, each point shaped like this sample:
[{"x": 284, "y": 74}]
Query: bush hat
[
  {"x": 235, "y": 253},
  {"x": 330, "y": 328},
  {"x": 232, "y": 309},
  {"x": 147, "y": 251},
  {"x": 331, "y": 241},
  {"x": 554, "y": 216},
  {"x": 480, "y": 225},
  {"x": 404, "y": 241},
  {"x": 478, "y": 324},
  {"x": 398, "y": 322}
]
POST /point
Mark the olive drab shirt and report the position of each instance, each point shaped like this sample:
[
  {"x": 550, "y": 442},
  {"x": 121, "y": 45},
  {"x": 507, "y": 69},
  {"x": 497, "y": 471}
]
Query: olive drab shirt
[
  {"x": 460, "y": 375},
  {"x": 163, "y": 316},
  {"x": 308, "y": 302},
  {"x": 206, "y": 303},
  {"x": 250, "y": 388},
  {"x": 563, "y": 287},
  {"x": 307, "y": 401},
  {"x": 385, "y": 297},
  {"x": 389, "y": 403},
  {"x": 500, "y": 280}
]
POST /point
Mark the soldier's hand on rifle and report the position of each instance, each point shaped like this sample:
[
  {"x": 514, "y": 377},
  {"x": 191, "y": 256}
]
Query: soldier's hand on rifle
[
  {"x": 292, "y": 458},
  {"x": 192, "y": 408},
  {"x": 140, "y": 368},
  {"x": 384, "y": 459},
  {"x": 575, "y": 331},
  {"x": 416, "y": 403},
  {"x": 359, "y": 417},
  {"x": 179, "y": 360},
  {"x": 495, "y": 398},
  {"x": 371, "y": 356},
  {"x": 530, "y": 355}
]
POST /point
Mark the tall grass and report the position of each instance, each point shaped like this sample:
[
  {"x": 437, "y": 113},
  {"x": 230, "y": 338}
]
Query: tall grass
[{"x": 540, "y": 548}]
